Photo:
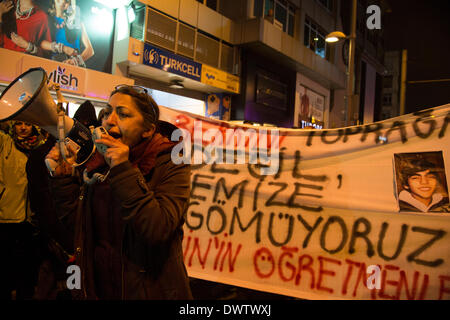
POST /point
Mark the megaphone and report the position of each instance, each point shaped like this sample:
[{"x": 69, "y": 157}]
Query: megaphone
[{"x": 28, "y": 99}]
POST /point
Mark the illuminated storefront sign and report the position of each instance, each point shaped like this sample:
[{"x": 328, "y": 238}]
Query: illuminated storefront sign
[
  {"x": 170, "y": 62},
  {"x": 220, "y": 79},
  {"x": 70, "y": 79}
]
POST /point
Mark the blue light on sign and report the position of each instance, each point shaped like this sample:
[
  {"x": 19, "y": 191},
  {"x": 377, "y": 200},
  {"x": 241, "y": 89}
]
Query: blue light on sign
[{"x": 170, "y": 62}]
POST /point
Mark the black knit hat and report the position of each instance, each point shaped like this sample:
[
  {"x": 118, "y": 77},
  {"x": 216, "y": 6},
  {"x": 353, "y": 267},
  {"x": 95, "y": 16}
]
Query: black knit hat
[{"x": 86, "y": 114}]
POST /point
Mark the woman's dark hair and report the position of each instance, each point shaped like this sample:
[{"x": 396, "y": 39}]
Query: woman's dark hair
[{"x": 145, "y": 103}]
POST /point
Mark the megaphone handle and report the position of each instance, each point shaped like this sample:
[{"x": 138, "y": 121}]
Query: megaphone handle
[
  {"x": 61, "y": 134},
  {"x": 51, "y": 166}
]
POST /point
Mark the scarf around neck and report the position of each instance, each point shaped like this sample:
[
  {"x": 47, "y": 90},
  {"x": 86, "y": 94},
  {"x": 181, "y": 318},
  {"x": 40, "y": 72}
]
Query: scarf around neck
[
  {"x": 27, "y": 144},
  {"x": 143, "y": 155}
]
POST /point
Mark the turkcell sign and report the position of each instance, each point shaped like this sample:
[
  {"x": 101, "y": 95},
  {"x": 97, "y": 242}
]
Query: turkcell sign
[{"x": 170, "y": 62}]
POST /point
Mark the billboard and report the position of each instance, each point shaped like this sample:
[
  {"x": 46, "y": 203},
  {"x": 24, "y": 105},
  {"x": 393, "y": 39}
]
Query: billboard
[{"x": 76, "y": 32}]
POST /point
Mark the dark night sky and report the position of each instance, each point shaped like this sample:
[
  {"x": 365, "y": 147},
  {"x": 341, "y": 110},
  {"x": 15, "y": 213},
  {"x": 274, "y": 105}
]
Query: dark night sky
[{"x": 423, "y": 28}]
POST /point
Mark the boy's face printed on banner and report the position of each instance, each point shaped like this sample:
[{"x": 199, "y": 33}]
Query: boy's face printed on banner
[{"x": 422, "y": 185}]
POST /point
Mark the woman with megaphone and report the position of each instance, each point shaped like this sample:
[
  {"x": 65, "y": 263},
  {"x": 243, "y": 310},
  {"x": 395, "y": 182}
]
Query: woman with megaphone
[{"x": 129, "y": 211}]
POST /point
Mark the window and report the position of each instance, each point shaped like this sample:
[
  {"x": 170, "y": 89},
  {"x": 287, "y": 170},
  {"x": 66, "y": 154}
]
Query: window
[
  {"x": 314, "y": 38},
  {"x": 186, "y": 39},
  {"x": 161, "y": 30},
  {"x": 281, "y": 15},
  {"x": 328, "y": 4},
  {"x": 268, "y": 8},
  {"x": 258, "y": 8},
  {"x": 291, "y": 21},
  {"x": 387, "y": 82},
  {"x": 226, "y": 61},
  {"x": 212, "y": 4},
  {"x": 279, "y": 12},
  {"x": 207, "y": 50},
  {"x": 387, "y": 99},
  {"x": 271, "y": 92}
]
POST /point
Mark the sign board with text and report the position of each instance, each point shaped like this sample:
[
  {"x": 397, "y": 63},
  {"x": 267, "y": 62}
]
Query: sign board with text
[
  {"x": 329, "y": 213},
  {"x": 170, "y": 62}
]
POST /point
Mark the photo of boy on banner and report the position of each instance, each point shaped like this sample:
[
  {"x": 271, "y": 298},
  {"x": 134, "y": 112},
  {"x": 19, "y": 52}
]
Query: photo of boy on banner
[{"x": 421, "y": 182}]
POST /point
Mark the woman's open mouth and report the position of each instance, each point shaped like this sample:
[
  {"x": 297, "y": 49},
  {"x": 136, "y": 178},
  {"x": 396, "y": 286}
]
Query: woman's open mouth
[{"x": 115, "y": 135}]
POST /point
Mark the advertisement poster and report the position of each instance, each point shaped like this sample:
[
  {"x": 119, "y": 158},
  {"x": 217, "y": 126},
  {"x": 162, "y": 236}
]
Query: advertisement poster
[
  {"x": 76, "y": 32},
  {"x": 218, "y": 106},
  {"x": 312, "y": 107}
]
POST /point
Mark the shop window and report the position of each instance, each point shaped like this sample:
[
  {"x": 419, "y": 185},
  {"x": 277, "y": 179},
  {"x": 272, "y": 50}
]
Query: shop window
[
  {"x": 314, "y": 38},
  {"x": 226, "y": 62},
  {"x": 161, "y": 30},
  {"x": 186, "y": 39},
  {"x": 271, "y": 92},
  {"x": 207, "y": 50}
]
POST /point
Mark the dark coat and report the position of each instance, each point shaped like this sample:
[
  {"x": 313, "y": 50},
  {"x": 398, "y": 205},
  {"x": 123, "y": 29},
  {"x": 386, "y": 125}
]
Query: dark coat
[{"x": 152, "y": 210}]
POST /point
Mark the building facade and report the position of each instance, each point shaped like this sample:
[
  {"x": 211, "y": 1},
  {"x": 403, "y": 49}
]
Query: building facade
[{"x": 264, "y": 61}]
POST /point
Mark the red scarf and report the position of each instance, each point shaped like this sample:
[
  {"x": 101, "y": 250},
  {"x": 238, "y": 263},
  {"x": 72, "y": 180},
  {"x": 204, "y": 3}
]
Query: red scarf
[{"x": 143, "y": 156}]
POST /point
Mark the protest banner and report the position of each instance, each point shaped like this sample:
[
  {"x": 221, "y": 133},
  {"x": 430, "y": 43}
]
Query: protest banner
[{"x": 315, "y": 214}]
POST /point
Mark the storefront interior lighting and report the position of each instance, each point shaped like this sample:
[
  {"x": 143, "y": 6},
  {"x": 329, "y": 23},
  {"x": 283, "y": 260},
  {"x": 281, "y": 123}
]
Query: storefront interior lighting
[
  {"x": 131, "y": 14},
  {"x": 114, "y": 4}
]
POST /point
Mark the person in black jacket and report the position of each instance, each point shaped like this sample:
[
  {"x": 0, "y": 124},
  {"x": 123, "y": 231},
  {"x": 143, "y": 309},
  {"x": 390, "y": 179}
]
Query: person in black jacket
[{"x": 130, "y": 209}]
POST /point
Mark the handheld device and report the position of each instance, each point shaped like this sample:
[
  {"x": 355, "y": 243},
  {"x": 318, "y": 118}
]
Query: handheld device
[{"x": 97, "y": 134}]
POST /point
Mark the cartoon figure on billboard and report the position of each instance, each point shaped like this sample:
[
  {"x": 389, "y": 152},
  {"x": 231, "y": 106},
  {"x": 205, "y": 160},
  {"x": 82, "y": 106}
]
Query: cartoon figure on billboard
[
  {"x": 62, "y": 30},
  {"x": 212, "y": 106},
  {"x": 421, "y": 182},
  {"x": 218, "y": 106},
  {"x": 68, "y": 33},
  {"x": 23, "y": 27},
  {"x": 226, "y": 104}
]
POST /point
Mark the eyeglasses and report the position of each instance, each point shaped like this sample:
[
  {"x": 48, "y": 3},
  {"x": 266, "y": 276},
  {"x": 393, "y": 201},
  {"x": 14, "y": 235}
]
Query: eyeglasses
[{"x": 138, "y": 89}]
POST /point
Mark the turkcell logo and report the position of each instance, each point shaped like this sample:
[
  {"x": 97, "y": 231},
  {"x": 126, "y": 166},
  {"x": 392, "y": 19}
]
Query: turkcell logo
[{"x": 170, "y": 62}]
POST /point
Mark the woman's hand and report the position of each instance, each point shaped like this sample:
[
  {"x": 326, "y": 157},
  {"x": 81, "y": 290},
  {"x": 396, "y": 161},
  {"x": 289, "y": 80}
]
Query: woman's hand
[
  {"x": 61, "y": 167},
  {"x": 5, "y": 6},
  {"x": 69, "y": 51},
  {"x": 116, "y": 153},
  {"x": 19, "y": 41},
  {"x": 69, "y": 61}
]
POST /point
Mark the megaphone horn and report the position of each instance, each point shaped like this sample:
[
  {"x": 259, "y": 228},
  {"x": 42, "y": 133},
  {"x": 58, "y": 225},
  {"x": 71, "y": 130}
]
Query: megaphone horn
[{"x": 28, "y": 99}]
